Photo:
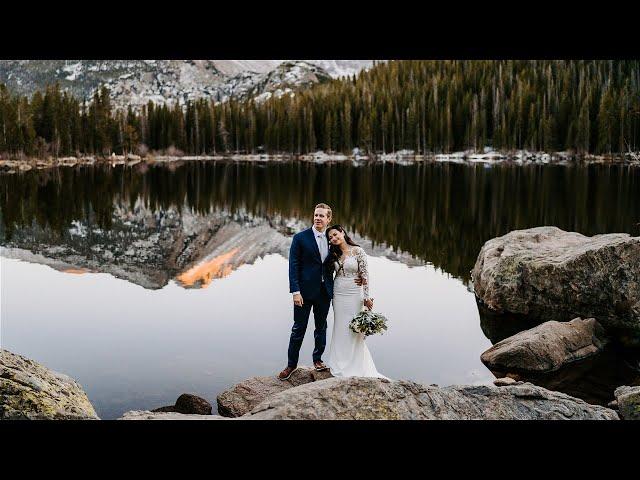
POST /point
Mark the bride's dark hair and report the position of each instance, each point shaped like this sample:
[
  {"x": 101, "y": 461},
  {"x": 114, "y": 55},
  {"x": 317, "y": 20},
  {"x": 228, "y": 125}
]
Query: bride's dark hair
[{"x": 334, "y": 251}]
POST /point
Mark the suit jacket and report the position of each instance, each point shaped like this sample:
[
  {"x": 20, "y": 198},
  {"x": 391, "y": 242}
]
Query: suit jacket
[{"x": 306, "y": 270}]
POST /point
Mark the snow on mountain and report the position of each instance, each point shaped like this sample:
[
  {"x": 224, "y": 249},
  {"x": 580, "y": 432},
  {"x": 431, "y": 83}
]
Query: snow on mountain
[
  {"x": 341, "y": 68},
  {"x": 135, "y": 82},
  {"x": 167, "y": 81},
  {"x": 189, "y": 80},
  {"x": 335, "y": 68},
  {"x": 234, "y": 67},
  {"x": 284, "y": 79}
]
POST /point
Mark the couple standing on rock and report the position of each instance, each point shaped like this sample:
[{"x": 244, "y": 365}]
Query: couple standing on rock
[{"x": 325, "y": 265}]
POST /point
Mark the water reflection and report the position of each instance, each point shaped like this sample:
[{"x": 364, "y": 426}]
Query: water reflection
[
  {"x": 137, "y": 348},
  {"x": 176, "y": 229},
  {"x": 593, "y": 379},
  {"x": 497, "y": 327},
  {"x": 437, "y": 213}
]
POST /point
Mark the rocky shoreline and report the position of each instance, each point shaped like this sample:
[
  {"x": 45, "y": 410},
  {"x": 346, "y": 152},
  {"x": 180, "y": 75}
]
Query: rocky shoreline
[
  {"x": 404, "y": 157},
  {"x": 570, "y": 305},
  {"x": 580, "y": 296},
  {"x": 31, "y": 391}
]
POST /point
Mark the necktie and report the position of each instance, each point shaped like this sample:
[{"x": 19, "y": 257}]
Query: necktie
[{"x": 321, "y": 246}]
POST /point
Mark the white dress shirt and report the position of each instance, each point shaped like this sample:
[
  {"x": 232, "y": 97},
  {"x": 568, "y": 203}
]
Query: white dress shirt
[{"x": 323, "y": 246}]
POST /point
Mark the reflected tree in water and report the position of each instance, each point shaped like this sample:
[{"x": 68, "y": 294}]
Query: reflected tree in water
[{"x": 439, "y": 213}]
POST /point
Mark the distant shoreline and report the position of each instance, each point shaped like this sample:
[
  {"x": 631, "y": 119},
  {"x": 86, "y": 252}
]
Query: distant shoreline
[{"x": 401, "y": 157}]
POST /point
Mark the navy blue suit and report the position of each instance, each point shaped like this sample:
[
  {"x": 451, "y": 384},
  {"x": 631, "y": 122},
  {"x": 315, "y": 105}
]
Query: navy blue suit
[{"x": 314, "y": 280}]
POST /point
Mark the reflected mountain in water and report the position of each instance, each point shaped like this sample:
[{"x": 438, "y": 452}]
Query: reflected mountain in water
[
  {"x": 197, "y": 221},
  {"x": 151, "y": 247},
  {"x": 202, "y": 274}
]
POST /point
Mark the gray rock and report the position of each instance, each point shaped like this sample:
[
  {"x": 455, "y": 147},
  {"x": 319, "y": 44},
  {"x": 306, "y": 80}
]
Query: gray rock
[
  {"x": 242, "y": 397},
  {"x": 378, "y": 399},
  {"x": 547, "y": 273},
  {"x": 504, "y": 381},
  {"x": 628, "y": 399},
  {"x": 148, "y": 415},
  {"x": 30, "y": 391},
  {"x": 546, "y": 348}
]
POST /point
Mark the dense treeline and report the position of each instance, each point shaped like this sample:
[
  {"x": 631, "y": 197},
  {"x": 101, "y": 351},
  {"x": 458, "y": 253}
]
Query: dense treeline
[{"x": 425, "y": 106}]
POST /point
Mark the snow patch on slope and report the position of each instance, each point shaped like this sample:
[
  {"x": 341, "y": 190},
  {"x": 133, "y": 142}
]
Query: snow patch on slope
[
  {"x": 74, "y": 70},
  {"x": 341, "y": 68}
]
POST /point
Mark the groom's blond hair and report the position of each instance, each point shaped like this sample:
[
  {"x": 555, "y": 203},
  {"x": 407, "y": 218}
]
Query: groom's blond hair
[{"x": 326, "y": 207}]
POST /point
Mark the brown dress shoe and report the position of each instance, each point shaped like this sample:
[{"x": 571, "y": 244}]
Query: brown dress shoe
[
  {"x": 286, "y": 373},
  {"x": 320, "y": 366}
]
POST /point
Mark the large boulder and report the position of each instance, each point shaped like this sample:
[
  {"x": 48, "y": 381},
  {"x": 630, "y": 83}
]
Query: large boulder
[
  {"x": 242, "y": 397},
  {"x": 359, "y": 398},
  {"x": 30, "y": 391},
  {"x": 628, "y": 399},
  {"x": 545, "y": 273},
  {"x": 546, "y": 348}
]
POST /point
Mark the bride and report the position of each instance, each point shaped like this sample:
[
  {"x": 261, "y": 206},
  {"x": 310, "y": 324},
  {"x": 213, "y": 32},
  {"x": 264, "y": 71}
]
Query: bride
[{"x": 348, "y": 352}]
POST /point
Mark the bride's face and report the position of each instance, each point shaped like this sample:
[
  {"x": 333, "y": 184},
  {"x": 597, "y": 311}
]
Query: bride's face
[{"x": 336, "y": 237}]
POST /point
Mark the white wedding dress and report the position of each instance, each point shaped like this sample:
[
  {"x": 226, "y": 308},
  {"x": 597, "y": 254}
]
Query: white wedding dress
[{"x": 348, "y": 352}]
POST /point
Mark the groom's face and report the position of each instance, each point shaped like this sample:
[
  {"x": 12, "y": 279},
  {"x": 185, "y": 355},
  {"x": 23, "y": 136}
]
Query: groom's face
[{"x": 321, "y": 218}]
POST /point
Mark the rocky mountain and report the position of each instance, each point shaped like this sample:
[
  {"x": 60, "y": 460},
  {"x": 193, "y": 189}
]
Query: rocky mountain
[
  {"x": 341, "y": 68},
  {"x": 283, "y": 79},
  {"x": 335, "y": 68},
  {"x": 135, "y": 82}
]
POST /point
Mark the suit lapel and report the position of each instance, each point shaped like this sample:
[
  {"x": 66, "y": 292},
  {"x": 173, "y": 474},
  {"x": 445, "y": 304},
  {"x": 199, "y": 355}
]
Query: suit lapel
[{"x": 312, "y": 237}]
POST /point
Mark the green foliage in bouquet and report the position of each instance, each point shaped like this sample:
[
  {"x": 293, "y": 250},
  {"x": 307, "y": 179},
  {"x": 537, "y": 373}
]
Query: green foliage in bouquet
[{"x": 368, "y": 323}]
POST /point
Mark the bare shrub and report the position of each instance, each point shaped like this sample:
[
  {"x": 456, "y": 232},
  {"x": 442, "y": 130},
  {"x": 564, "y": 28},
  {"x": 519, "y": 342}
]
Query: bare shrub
[
  {"x": 142, "y": 150},
  {"x": 172, "y": 151}
]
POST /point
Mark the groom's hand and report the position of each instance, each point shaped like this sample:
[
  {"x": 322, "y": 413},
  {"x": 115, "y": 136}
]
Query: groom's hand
[
  {"x": 360, "y": 281},
  {"x": 297, "y": 300}
]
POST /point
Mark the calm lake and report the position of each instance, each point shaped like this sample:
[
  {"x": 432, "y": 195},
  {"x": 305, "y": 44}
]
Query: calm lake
[{"x": 150, "y": 281}]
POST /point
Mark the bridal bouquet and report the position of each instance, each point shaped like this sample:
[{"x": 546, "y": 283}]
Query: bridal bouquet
[{"x": 368, "y": 323}]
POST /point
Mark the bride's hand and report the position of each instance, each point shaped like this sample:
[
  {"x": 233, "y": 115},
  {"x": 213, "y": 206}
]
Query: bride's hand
[
  {"x": 369, "y": 303},
  {"x": 360, "y": 281}
]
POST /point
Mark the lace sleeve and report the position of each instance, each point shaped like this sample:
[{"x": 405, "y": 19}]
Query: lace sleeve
[{"x": 363, "y": 269}]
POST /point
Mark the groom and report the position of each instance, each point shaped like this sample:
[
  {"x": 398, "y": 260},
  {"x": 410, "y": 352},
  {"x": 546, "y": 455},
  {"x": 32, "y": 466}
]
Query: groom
[{"x": 311, "y": 283}]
